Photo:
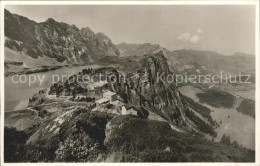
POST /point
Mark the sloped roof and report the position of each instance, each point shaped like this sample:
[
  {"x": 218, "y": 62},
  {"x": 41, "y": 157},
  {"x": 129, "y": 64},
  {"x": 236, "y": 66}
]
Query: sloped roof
[
  {"x": 109, "y": 93},
  {"x": 103, "y": 100}
]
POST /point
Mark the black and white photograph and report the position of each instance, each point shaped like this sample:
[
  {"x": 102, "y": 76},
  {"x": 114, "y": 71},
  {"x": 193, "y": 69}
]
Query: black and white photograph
[{"x": 135, "y": 82}]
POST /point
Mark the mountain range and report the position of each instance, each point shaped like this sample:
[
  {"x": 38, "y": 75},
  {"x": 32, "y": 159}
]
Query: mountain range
[
  {"x": 194, "y": 61},
  {"x": 63, "y": 42},
  {"x": 67, "y": 44}
]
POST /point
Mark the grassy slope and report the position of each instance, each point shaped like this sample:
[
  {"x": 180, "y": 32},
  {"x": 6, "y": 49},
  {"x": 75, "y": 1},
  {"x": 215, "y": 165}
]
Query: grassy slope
[
  {"x": 154, "y": 141},
  {"x": 26, "y": 62},
  {"x": 89, "y": 137}
]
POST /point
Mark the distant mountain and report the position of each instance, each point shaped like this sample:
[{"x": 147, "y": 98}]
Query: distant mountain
[
  {"x": 194, "y": 61},
  {"x": 60, "y": 41},
  {"x": 240, "y": 54},
  {"x": 138, "y": 49},
  {"x": 210, "y": 62}
]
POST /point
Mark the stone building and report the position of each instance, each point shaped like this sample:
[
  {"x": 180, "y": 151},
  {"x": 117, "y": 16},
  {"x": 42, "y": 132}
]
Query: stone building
[{"x": 110, "y": 96}]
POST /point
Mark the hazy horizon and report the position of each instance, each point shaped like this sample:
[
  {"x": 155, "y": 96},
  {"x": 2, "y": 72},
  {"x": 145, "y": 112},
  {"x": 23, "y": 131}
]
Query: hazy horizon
[{"x": 223, "y": 29}]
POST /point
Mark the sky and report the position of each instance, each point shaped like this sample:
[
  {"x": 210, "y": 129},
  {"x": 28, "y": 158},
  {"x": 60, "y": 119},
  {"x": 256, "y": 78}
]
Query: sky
[{"x": 224, "y": 28}]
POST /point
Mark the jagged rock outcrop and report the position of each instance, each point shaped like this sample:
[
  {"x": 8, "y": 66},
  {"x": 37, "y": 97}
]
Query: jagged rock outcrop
[
  {"x": 58, "y": 40},
  {"x": 147, "y": 87}
]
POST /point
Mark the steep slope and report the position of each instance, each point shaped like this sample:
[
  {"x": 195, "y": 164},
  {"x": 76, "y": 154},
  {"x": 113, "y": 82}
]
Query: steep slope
[
  {"x": 147, "y": 90},
  {"x": 57, "y": 40},
  {"x": 85, "y": 136}
]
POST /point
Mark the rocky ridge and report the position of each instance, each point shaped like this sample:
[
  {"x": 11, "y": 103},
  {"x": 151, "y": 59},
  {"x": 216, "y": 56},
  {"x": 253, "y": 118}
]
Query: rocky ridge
[{"x": 60, "y": 41}]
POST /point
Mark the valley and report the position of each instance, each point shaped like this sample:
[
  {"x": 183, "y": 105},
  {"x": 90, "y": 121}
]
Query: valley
[{"x": 232, "y": 123}]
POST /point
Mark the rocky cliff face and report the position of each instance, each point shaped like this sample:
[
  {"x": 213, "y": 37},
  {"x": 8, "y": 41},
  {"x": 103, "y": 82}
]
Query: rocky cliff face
[
  {"x": 58, "y": 40},
  {"x": 147, "y": 89}
]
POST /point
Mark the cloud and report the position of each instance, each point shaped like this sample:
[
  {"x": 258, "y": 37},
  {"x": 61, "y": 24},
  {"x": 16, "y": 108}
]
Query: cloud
[
  {"x": 195, "y": 39},
  {"x": 184, "y": 37},
  {"x": 187, "y": 37}
]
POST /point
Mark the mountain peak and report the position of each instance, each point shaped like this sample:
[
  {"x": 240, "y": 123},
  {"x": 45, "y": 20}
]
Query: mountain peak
[
  {"x": 57, "y": 40},
  {"x": 240, "y": 54},
  {"x": 102, "y": 35},
  {"x": 139, "y": 49},
  {"x": 86, "y": 29},
  {"x": 87, "y": 32},
  {"x": 50, "y": 20}
]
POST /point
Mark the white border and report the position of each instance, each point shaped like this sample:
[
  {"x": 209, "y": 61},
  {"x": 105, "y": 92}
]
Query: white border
[
  {"x": 205, "y": 2},
  {"x": 103, "y": 2}
]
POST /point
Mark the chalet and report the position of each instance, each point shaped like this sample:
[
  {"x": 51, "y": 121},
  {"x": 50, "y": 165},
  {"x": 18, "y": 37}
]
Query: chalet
[
  {"x": 65, "y": 97},
  {"x": 102, "y": 101},
  {"x": 80, "y": 97},
  {"x": 51, "y": 96},
  {"x": 110, "y": 96},
  {"x": 129, "y": 110}
]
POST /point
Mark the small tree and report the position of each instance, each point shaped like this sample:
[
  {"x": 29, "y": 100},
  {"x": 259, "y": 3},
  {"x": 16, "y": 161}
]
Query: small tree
[
  {"x": 235, "y": 144},
  {"x": 226, "y": 140}
]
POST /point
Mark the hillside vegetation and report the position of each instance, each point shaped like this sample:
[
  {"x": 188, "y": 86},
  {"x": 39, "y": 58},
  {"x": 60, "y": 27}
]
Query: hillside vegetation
[
  {"x": 92, "y": 137},
  {"x": 217, "y": 98}
]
